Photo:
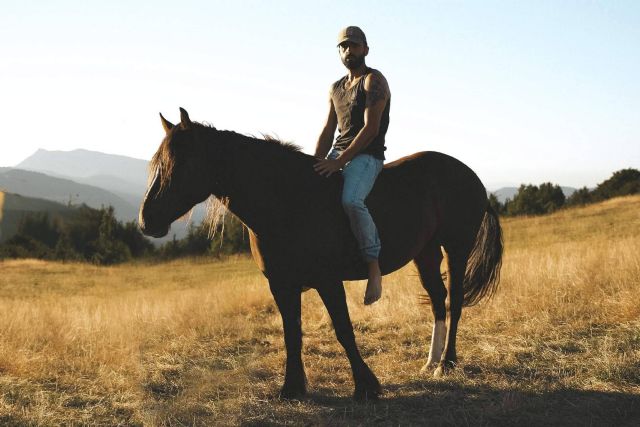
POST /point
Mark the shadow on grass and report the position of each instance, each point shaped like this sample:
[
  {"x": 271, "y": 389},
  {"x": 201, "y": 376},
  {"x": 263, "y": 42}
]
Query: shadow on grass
[{"x": 442, "y": 403}]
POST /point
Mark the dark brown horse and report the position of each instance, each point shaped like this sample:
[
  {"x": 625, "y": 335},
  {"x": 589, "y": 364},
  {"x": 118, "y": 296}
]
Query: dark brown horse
[{"x": 300, "y": 236}]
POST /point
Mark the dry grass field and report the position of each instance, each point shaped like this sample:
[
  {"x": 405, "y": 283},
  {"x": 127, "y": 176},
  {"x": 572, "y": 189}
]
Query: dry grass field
[{"x": 198, "y": 342}]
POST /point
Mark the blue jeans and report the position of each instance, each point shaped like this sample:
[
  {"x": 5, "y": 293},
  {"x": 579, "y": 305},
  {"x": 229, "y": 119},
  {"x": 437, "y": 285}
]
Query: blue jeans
[{"x": 359, "y": 176}]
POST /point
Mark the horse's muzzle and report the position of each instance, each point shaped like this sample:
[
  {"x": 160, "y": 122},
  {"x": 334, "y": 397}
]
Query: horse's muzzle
[
  {"x": 155, "y": 233},
  {"x": 148, "y": 228}
]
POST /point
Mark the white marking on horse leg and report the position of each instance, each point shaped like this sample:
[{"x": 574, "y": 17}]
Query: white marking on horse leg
[{"x": 437, "y": 344}]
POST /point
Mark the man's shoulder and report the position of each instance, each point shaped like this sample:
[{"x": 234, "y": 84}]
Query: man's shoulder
[{"x": 376, "y": 74}]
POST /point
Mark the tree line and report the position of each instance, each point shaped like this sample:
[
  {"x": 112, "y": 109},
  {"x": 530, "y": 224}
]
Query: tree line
[
  {"x": 548, "y": 197},
  {"x": 96, "y": 236}
]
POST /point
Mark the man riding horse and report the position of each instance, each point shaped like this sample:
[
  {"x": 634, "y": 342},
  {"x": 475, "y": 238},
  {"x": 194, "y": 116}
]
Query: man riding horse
[{"x": 359, "y": 106}]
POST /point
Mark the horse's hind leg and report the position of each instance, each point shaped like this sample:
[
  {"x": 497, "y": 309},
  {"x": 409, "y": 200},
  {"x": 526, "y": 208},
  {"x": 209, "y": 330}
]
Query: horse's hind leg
[
  {"x": 428, "y": 263},
  {"x": 367, "y": 385},
  {"x": 457, "y": 260}
]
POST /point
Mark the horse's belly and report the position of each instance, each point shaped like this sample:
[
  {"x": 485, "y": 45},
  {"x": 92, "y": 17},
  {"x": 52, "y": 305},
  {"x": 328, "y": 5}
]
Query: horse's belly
[{"x": 321, "y": 247}]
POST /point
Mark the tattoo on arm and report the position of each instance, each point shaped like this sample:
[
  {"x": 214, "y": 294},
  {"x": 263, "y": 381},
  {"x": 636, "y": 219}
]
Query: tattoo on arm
[{"x": 377, "y": 92}]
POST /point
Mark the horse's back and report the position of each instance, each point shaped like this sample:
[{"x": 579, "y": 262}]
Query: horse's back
[
  {"x": 443, "y": 179},
  {"x": 429, "y": 173}
]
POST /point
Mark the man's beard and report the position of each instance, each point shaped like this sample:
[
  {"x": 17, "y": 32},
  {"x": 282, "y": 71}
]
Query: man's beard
[{"x": 353, "y": 62}]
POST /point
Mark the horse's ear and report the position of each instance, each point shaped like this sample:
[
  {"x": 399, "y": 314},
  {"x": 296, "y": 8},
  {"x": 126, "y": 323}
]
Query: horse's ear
[
  {"x": 166, "y": 124},
  {"x": 185, "y": 121}
]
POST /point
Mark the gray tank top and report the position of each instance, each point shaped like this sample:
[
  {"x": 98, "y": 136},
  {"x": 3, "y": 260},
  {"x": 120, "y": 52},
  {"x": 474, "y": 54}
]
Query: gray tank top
[{"x": 349, "y": 104}]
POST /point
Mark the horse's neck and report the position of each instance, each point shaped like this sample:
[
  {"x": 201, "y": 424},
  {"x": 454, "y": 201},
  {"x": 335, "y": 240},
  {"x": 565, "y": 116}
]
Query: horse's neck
[{"x": 256, "y": 183}]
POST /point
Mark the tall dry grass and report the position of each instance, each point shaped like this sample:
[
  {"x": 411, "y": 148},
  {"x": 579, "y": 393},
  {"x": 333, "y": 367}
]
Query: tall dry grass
[{"x": 198, "y": 342}]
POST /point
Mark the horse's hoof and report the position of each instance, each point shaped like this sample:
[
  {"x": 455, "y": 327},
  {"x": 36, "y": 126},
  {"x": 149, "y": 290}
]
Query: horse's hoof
[
  {"x": 443, "y": 369},
  {"x": 370, "y": 391},
  {"x": 428, "y": 367},
  {"x": 439, "y": 372},
  {"x": 292, "y": 392}
]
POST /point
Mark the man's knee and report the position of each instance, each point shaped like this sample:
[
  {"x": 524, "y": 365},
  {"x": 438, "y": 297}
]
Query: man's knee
[{"x": 350, "y": 204}]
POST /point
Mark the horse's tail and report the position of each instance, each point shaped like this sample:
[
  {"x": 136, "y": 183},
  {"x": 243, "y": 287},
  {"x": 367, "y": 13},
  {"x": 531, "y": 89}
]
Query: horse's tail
[{"x": 483, "y": 267}]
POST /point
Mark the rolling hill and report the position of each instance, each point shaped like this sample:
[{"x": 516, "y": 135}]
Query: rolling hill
[
  {"x": 14, "y": 206},
  {"x": 65, "y": 191}
]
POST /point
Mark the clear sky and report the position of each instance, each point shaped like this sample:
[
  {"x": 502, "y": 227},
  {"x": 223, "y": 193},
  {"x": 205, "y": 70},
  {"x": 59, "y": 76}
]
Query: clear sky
[{"x": 521, "y": 91}]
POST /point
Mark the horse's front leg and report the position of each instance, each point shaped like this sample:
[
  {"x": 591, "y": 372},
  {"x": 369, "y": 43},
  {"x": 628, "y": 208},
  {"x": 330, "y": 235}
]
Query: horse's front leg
[
  {"x": 288, "y": 302},
  {"x": 367, "y": 385}
]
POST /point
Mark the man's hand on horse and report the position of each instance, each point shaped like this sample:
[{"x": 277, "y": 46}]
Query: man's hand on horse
[{"x": 326, "y": 167}]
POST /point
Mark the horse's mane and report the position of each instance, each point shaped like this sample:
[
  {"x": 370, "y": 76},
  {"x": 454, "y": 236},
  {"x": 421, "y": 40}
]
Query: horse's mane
[
  {"x": 267, "y": 140},
  {"x": 163, "y": 162}
]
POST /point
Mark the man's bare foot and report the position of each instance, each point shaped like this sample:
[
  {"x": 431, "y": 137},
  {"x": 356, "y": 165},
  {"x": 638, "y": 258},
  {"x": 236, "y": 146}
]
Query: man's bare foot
[{"x": 374, "y": 285}]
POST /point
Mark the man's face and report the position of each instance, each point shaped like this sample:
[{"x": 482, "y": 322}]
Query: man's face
[{"x": 352, "y": 54}]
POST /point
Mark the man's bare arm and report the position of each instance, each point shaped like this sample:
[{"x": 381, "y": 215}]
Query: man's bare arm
[
  {"x": 325, "y": 140},
  {"x": 377, "y": 89}
]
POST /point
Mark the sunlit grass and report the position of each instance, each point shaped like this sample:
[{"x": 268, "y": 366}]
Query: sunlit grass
[{"x": 199, "y": 341}]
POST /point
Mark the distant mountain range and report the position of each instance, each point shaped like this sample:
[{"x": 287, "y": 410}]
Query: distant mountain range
[
  {"x": 123, "y": 176},
  {"x": 65, "y": 191},
  {"x": 82, "y": 176},
  {"x": 91, "y": 167}
]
